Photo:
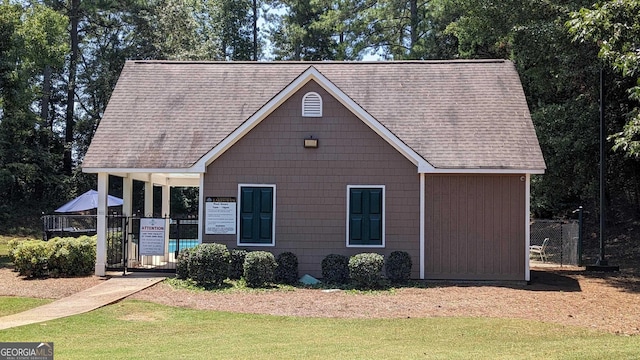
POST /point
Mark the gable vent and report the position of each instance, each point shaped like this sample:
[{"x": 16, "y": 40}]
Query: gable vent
[{"x": 311, "y": 105}]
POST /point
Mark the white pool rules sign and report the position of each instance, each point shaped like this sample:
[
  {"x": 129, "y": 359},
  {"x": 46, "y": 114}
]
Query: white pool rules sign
[
  {"x": 152, "y": 236},
  {"x": 220, "y": 215}
]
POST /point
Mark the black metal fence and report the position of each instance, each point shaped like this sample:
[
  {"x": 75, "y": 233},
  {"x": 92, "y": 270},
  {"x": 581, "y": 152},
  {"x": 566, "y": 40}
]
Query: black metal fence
[
  {"x": 563, "y": 246},
  {"x": 123, "y": 240}
]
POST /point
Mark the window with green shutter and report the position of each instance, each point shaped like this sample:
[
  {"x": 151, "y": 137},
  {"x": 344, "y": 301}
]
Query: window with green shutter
[
  {"x": 365, "y": 227},
  {"x": 256, "y": 215}
]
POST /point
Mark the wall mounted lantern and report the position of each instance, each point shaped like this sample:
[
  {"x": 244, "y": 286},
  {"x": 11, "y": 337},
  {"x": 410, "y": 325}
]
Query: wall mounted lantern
[{"x": 310, "y": 143}]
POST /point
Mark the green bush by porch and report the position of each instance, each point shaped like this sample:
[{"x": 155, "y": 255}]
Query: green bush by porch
[{"x": 56, "y": 257}]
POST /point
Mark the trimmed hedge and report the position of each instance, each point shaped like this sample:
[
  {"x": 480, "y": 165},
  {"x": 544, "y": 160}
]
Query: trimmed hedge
[
  {"x": 365, "y": 270},
  {"x": 398, "y": 267},
  {"x": 182, "y": 263},
  {"x": 30, "y": 258},
  {"x": 72, "y": 256},
  {"x": 259, "y": 267},
  {"x": 13, "y": 244},
  {"x": 287, "y": 270},
  {"x": 208, "y": 264},
  {"x": 335, "y": 269},
  {"x": 56, "y": 257},
  {"x": 236, "y": 266}
]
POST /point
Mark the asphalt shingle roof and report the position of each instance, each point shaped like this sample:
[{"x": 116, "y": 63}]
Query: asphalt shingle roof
[{"x": 455, "y": 114}]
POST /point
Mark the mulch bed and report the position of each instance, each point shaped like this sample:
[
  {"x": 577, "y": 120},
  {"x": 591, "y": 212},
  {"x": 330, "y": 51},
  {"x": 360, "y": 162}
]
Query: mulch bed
[{"x": 567, "y": 296}]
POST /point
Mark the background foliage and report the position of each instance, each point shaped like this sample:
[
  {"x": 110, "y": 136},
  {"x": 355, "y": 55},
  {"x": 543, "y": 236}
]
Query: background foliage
[{"x": 60, "y": 59}]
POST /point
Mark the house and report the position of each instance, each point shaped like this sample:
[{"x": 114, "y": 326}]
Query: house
[{"x": 430, "y": 157}]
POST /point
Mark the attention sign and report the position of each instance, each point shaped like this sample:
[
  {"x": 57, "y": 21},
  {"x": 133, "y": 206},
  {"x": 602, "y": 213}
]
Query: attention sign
[{"x": 152, "y": 236}]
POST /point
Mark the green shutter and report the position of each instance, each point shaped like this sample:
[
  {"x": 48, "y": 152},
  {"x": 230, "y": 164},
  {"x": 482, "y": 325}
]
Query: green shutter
[
  {"x": 365, "y": 216},
  {"x": 256, "y": 215}
]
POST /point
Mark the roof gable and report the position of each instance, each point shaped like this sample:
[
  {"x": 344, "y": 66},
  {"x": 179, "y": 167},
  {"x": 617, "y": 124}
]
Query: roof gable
[
  {"x": 311, "y": 74},
  {"x": 445, "y": 116}
]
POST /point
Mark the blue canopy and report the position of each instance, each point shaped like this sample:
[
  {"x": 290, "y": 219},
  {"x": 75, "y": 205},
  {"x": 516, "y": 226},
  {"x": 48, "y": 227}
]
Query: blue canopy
[{"x": 87, "y": 201}]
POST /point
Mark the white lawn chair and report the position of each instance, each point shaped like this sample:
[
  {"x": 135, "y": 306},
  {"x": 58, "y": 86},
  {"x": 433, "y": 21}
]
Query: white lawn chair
[{"x": 539, "y": 250}]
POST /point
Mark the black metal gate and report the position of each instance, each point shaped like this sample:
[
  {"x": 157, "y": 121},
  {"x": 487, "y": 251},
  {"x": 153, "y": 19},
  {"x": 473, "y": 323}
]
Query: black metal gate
[{"x": 123, "y": 244}]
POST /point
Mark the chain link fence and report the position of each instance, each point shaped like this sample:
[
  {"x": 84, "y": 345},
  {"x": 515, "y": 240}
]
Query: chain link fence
[{"x": 563, "y": 247}]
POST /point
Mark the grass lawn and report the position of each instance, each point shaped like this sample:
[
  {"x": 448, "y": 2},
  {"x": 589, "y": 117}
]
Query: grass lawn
[
  {"x": 12, "y": 305},
  {"x": 4, "y": 250},
  {"x": 142, "y": 330}
]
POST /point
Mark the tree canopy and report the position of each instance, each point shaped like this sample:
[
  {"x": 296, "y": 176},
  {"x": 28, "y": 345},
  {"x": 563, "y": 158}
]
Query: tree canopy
[{"x": 60, "y": 60}]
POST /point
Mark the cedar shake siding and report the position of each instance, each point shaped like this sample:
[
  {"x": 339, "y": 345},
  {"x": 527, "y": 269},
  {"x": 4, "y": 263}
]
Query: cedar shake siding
[
  {"x": 461, "y": 128},
  {"x": 475, "y": 227},
  {"x": 311, "y": 184}
]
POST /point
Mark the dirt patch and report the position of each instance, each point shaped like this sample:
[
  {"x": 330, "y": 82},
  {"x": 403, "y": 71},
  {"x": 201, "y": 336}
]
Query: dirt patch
[
  {"x": 568, "y": 296},
  {"x": 51, "y": 288}
]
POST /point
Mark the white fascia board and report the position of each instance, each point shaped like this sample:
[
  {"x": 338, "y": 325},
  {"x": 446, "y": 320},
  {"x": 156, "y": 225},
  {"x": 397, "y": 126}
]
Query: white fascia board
[
  {"x": 310, "y": 74},
  {"x": 170, "y": 177},
  {"x": 189, "y": 170},
  {"x": 480, "y": 171}
]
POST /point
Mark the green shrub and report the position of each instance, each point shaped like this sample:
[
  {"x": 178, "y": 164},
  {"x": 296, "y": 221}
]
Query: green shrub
[
  {"x": 182, "y": 263},
  {"x": 335, "y": 269},
  {"x": 71, "y": 256},
  {"x": 287, "y": 270},
  {"x": 259, "y": 267},
  {"x": 209, "y": 264},
  {"x": 13, "y": 244},
  {"x": 365, "y": 270},
  {"x": 30, "y": 258},
  {"x": 236, "y": 266},
  {"x": 398, "y": 267},
  {"x": 56, "y": 257}
]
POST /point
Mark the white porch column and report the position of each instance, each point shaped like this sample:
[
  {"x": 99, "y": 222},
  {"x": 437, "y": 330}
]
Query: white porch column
[
  {"x": 127, "y": 210},
  {"x": 201, "y": 210},
  {"x": 148, "y": 199},
  {"x": 148, "y": 212},
  {"x": 422, "y": 221},
  {"x": 165, "y": 213},
  {"x": 127, "y": 196},
  {"x": 101, "y": 226},
  {"x": 527, "y": 227}
]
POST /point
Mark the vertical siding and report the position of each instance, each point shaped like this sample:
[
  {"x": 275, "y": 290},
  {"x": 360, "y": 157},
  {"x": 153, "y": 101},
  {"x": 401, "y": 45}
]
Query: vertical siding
[
  {"x": 474, "y": 227},
  {"x": 312, "y": 184}
]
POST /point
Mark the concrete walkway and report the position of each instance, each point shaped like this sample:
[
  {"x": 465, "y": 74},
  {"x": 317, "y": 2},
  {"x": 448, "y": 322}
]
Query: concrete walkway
[{"x": 110, "y": 291}]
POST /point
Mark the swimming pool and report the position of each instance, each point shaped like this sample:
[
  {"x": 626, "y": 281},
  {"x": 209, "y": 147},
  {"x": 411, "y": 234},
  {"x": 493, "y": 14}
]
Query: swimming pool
[{"x": 184, "y": 244}]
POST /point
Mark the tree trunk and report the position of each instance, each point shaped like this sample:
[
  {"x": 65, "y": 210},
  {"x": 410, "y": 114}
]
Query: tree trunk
[
  {"x": 71, "y": 91},
  {"x": 255, "y": 30},
  {"x": 414, "y": 28}
]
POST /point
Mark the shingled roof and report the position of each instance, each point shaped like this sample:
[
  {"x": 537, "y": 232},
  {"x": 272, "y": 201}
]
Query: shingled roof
[{"x": 454, "y": 114}]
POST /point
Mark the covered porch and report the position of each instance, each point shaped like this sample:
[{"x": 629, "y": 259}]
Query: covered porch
[{"x": 165, "y": 180}]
